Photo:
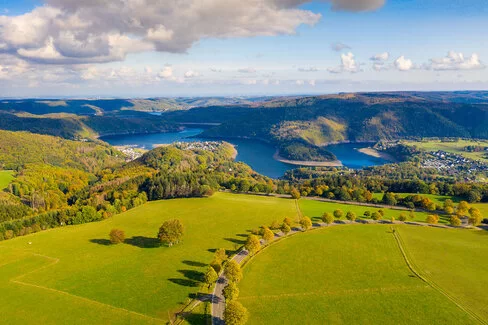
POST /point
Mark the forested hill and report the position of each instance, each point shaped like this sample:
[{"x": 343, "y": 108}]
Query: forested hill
[{"x": 348, "y": 117}]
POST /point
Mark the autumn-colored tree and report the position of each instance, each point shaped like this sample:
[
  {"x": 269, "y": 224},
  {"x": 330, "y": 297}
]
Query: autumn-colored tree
[
  {"x": 432, "y": 219},
  {"x": 475, "y": 217},
  {"x": 376, "y": 216},
  {"x": 232, "y": 271},
  {"x": 306, "y": 223},
  {"x": 327, "y": 218},
  {"x": 220, "y": 255},
  {"x": 411, "y": 215},
  {"x": 455, "y": 221},
  {"x": 253, "y": 244},
  {"x": 462, "y": 208},
  {"x": 231, "y": 291},
  {"x": 268, "y": 235},
  {"x": 402, "y": 217},
  {"x": 235, "y": 313},
  {"x": 288, "y": 221},
  {"x": 117, "y": 236},
  {"x": 285, "y": 228},
  {"x": 351, "y": 216},
  {"x": 367, "y": 213},
  {"x": 392, "y": 219},
  {"x": 170, "y": 232},
  {"x": 295, "y": 194},
  {"x": 275, "y": 225},
  {"x": 338, "y": 213},
  {"x": 211, "y": 276}
]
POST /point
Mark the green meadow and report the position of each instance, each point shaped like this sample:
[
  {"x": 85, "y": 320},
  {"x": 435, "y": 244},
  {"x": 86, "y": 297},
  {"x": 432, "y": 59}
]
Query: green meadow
[
  {"x": 6, "y": 176},
  {"x": 456, "y": 147},
  {"x": 356, "y": 274},
  {"x": 73, "y": 275},
  {"x": 315, "y": 209}
]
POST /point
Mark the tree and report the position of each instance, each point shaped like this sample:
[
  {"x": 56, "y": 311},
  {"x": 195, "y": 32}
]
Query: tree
[
  {"x": 231, "y": 291},
  {"x": 376, "y": 216},
  {"x": 235, "y": 313},
  {"x": 268, "y": 235},
  {"x": 475, "y": 217},
  {"x": 462, "y": 208},
  {"x": 306, "y": 223},
  {"x": 367, "y": 213},
  {"x": 392, "y": 219},
  {"x": 253, "y": 244},
  {"x": 389, "y": 199},
  {"x": 402, "y": 217},
  {"x": 455, "y": 221},
  {"x": 117, "y": 236},
  {"x": 351, "y": 216},
  {"x": 295, "y": 194},
  {"x": 170, "y": 232},
  {"x": 432, "y": 219},
  {"x": 380, "y": 211},
  {"x": 338, "y": 213},
  {"x": 327, "y": 218},
  {"x": 288, "y": 221},
  {"x": 285, "y": 228},
  {"x": 211, "y": 276},
  {"x": 275, "y": 225},
  {"x": 411, "y": 215},
  {"x": 232, "y": 271},
  {"x": 220, "y": 255}
]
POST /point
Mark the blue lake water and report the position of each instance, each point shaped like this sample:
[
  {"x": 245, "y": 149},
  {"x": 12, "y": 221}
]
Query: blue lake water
[{"x": 257, "y": 154}]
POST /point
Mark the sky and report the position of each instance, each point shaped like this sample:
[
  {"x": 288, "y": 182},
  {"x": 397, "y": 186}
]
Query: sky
[{"x": 149, "y": 48}]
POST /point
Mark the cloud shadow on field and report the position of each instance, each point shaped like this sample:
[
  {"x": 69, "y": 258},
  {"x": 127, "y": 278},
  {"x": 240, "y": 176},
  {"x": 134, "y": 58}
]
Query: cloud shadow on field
[
  {"x": 143, "y": 242},
  {"x": 104, "y": 242}
]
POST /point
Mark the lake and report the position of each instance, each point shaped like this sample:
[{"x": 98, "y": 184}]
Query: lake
[{"x": 257, "y": 154}]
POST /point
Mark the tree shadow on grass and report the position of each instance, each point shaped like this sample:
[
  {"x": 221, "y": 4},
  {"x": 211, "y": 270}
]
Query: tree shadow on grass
[
  {"x": 185, "y": 282},
  {"x": 194, "y": 263},
  {"x": 143, "y": 242},
  {"x": 192, "y": 275},
  {"x": 104, "y": 242},
  {"x": 243, "y": 235},
  {"x": 236, "y": 241}
]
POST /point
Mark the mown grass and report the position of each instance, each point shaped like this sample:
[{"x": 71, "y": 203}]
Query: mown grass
[
  {"x": 437, "y": 199},
  {"x": 93, "y": 278},
  {"x": 6, "y": 176},
  {"x": 315, "y": 209},
  {"x": 453, "y": 259},
  {"x": 352, "y": 274}
]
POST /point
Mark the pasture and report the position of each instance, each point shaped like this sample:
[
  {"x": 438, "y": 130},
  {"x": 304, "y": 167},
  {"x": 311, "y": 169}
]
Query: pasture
[
  {"x": 6, "y": 176},
  {"x": 73, "y": 275},
  {"x": 315, "y": 209},
  {"x": 356, "y": 274},
  {"x": 456, "y": 147}
]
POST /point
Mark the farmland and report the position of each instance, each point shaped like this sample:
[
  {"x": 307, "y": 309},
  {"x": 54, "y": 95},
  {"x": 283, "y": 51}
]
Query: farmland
[
  {"x": 6, "y": 176},
  {"x": 356, "y": 274}
]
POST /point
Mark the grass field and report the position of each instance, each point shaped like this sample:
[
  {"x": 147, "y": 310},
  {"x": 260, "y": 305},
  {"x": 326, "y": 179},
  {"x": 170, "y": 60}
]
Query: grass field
[
  {"x": 453, "y": 147},
  {"x": 356, "y": 274},
  {"x": 6, "y": 176},
  {"x": 315, "y": 209},
  {"x": 437, "y": 199},
  {"x": 72, "y": 276}
]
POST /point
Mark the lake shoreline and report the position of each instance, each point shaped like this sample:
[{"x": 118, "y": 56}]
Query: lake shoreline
[
  {"x": 307, "y": 163},
  {"x": 377, "y": 154}
]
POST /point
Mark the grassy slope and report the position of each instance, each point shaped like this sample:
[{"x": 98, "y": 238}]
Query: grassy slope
[
  {"x": 6, "y": 176},
  {"x": 315, "y": 209},
  {"x": 151, "y": 281},
  {"x": 455, "y": 260},
  {"x": 453, "y": 147},
  {"x": 341, "y": 275}
]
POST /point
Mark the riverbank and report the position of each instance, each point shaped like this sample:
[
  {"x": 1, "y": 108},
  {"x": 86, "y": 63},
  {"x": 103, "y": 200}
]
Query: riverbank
[
  {"x": 377, "y": 154},
  {"x": 307, "y": 163}
]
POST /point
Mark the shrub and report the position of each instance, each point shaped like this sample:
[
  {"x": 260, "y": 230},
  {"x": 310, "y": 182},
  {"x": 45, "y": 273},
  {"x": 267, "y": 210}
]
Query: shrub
[{"x": 117, "y": 236}]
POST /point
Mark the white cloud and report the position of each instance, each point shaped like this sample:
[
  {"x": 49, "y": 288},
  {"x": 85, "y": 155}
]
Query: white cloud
[
  {"x": 166, "y": 73},
  {"x": 456, "y": 61},
  {"x": 299, "y": 82},
  {"x": 191, "y": 74},
  {"x": 381, "y": 57},
  {"x": 339, "y": 46},
  {"x": 215, "y": 69},
  {"x": 308, "y": 69},
  {"x": 311, "y": 83},
  {"x": 404, "y": 64},
  {"x": 348, "y": 64},
  {"x": 247, "y": 70}
]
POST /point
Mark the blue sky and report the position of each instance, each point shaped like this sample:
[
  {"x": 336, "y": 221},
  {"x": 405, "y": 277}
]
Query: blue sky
[{"x": 194, "y": 57}]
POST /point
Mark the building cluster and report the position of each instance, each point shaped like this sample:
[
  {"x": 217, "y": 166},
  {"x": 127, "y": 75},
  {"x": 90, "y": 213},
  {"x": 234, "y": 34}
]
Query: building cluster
[
  {"x": 452, "y": 162},
  {"x": 200, "y": 145},
  {"x": 131, "y": 153}
]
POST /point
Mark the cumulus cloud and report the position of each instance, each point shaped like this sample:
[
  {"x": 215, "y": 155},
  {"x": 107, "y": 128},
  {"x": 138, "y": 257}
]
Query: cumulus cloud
[
  {"x": 191, "y": 74},
  {"x": 380, "y": 61},
  {"x": 94, "y": 31},
  {"x": 308, "y": 69},
  {"x": 456, "y": 61},
  {"x": 215, "y": 69},
  {"x": 166, "y": 73},
  {"x": 404, "y": 64},
  {"x": 299, "y": 82},
  {"x": 348, "y": 64},
  {"x": 339, "y": 46}
]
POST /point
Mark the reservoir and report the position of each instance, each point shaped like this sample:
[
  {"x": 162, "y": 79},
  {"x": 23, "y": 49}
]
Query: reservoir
[{"x": 257, "y": 154}]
